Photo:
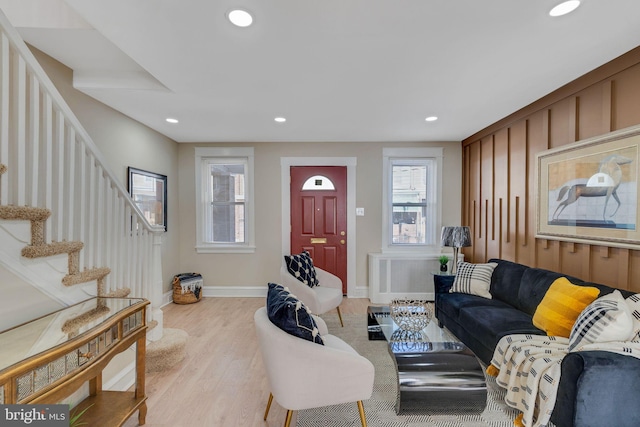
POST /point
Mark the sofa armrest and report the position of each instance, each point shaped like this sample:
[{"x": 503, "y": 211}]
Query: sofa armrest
[
  {"x": 299, "y": 289},
  {"x": 327, "y": 279},
  {"x": 598, "y": 388},
  {"x": 322, "y": 326}
]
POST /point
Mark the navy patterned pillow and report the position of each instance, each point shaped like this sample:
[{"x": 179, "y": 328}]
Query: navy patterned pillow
[
  {"x": 301, "y": 267},
  {"x": 291, "y": 315}
]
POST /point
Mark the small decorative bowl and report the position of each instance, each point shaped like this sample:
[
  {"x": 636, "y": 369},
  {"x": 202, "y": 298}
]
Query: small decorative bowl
[{"x": 411, "y": 314}]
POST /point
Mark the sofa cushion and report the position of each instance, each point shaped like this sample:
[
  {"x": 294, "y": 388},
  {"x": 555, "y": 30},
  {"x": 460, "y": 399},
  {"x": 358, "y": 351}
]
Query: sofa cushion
[
  {"x": 604, "y": 289},
  {"x": 301, "y": 267},
  {"x": 606, "y": 319},
  {"x": 451, "y": 303},
  {"x": 488, "y": 324},
  {"x": 474, "y": 279},
  {"x": 505, "y": 281},
  {"x": 534, "y": 285},
  {"x": 290, "y": 314},
  {"x": 562, "y": 304}
]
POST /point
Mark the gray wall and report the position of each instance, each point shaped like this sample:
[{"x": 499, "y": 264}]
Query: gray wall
[{"x": 263, "y": 266}]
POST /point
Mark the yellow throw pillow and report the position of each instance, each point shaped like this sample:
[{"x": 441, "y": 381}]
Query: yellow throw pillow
[{"x": 561, "y": 306}]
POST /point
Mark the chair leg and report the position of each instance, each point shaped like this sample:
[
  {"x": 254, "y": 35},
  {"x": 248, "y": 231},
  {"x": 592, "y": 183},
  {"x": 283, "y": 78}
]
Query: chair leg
[
  {"x": 266, "y": 412},
  {"x": 287, "y": 421},
  {"x": 340, "y": 316},
  {"x": 363, "y": 418}
]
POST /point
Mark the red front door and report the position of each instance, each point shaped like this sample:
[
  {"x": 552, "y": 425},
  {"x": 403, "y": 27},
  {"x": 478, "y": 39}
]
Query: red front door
[{"x": 319, "y": 216}]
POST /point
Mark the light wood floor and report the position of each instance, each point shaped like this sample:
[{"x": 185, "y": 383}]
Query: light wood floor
[{"x": 221, "y": 382}]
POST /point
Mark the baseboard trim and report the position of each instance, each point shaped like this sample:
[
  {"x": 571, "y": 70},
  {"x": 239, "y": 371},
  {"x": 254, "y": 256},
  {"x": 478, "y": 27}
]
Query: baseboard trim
[
  {"x": 224, "y": 292},
  {"x": 249, "y": 292},
  {"x": 167, "y": 298},
  {"x": 359, "y": 292},
  {"x": 123, "y": 380},
  {"x": 235, "y": 291}
]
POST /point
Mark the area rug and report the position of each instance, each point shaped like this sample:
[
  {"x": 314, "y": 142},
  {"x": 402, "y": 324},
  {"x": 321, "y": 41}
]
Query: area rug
[{"x": 380, "y": 409}]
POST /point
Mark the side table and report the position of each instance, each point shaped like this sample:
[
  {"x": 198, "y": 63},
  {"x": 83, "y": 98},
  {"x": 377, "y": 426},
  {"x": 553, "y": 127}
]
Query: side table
[{"x": 442, "y": 282}]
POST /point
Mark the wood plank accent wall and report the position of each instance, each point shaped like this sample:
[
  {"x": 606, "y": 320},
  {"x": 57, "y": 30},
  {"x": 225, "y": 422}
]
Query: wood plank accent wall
[{"x": 498, "y": 194}]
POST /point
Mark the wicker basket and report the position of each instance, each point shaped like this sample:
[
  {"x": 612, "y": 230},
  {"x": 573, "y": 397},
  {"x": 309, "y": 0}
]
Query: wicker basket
[{"x": 187, "y": 288}]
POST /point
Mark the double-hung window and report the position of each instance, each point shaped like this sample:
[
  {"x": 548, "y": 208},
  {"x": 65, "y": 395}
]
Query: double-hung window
[
  {"x": 411, "y": 198},
  {"x": 224, "y": 199}
]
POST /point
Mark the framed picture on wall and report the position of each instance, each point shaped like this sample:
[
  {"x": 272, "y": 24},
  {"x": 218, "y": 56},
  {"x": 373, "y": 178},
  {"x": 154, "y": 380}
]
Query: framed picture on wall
[
  {"x": 588, "y": 191},
  {"x": 149, "y": 192}
]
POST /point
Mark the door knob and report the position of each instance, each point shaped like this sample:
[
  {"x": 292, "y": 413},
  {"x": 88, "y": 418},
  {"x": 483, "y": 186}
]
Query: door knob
[{"x": 342, "y": 242}]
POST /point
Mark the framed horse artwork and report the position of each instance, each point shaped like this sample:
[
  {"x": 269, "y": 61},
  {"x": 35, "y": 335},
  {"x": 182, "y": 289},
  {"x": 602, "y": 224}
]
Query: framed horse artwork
[{"x": 588, "y": 192}]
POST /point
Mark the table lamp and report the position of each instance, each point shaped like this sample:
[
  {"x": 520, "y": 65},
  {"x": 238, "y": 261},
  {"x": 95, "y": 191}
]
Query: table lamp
[{"x": 456, "y": 237}]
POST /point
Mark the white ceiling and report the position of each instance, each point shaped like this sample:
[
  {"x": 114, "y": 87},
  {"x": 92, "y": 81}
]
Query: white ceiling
[{"x": 338, "y": 70}]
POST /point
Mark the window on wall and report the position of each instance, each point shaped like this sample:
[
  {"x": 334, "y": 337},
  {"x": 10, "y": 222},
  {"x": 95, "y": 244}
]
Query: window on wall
[
  {"x": 224, "y": 211},
  {"x": 411, "y": 197}
]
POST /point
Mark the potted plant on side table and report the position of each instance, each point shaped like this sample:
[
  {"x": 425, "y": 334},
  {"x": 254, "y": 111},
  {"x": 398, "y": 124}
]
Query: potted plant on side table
[{"x": 444, "y": 261}]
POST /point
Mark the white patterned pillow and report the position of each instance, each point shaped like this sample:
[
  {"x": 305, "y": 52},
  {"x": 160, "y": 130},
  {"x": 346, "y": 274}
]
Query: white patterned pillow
[
  {"x": 633, "y": 302},
  {"x": 606, "y": 319},
  {"x": 474, "y": 279}
]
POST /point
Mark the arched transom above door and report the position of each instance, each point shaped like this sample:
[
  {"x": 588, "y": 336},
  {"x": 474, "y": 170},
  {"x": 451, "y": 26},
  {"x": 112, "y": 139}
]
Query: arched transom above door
[{"x": 318, "y": 182}]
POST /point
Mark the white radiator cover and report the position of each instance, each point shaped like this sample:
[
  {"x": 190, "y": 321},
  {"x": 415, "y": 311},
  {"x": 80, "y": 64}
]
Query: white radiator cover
[{"x": 402, "y": 275}]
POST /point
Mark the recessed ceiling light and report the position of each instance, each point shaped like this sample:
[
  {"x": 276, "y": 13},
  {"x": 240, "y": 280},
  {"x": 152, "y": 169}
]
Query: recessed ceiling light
[
  {"x": 240, "y": 18},
  {"x": 172, "y": 120},
  {"x": 431, "y": 119},
  {"x": 280, "y": 119},
  {"x": 564, "y": 8}
]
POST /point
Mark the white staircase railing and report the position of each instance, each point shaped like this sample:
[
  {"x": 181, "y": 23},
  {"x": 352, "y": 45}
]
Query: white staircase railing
[{"x": 52, "y": 163}]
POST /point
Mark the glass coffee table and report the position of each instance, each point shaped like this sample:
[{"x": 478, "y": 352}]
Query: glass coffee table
[{"x": 436, "y": 372}]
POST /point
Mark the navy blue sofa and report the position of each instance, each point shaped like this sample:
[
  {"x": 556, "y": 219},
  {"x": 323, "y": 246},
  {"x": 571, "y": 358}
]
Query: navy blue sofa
[{"x": 597, "y": 388}]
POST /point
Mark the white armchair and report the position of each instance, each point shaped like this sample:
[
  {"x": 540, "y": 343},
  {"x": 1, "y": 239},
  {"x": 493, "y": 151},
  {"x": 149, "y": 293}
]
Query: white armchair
[
  {"x": 303, "y": 374},
  {"x": 320, "y": 299}
]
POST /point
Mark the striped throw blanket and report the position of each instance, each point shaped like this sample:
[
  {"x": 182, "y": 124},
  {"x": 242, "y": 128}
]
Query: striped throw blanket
[{"x": 529, "y": 365}]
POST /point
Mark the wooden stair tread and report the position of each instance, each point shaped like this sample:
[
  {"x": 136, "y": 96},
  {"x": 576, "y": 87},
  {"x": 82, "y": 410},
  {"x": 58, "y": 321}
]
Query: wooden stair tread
[{"x": 51, "y": 249}]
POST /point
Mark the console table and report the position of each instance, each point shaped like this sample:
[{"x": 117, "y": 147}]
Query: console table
[{"x": 49, "y": 358}]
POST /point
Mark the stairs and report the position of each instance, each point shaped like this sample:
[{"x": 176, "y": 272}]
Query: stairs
[
  {"x": 39, "y": 248},
  {"x": 162, "y": 354},
  {"x": 66, "y": 219}
]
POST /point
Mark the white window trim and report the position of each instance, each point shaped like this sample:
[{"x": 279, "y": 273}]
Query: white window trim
[
  {"x": 408, "y": 153},
  {"x": 248, "y": 246}
]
